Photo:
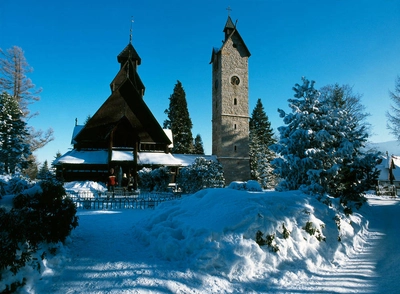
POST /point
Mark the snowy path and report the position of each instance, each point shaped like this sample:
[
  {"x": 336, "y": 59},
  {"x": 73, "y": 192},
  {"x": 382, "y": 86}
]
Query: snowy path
[
  {"x": 104, "y": 258},
  {"x": 373, "y": 267}
]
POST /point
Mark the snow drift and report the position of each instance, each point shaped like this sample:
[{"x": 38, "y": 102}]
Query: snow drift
[{"x": 214, "y": 231}]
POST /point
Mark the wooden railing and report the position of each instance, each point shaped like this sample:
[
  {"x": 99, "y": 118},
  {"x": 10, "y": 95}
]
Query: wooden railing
[{"x": 120, "y": 199}]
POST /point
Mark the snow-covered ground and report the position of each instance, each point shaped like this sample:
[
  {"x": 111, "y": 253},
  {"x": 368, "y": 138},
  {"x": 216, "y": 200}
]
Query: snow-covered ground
[{"x": 205, "y": 243}]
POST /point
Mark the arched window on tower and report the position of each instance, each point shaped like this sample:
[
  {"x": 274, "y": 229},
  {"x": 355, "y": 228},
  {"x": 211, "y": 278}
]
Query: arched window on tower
[
  {"x": 235, "y": 101},
  {"x": 235, "y": 148}
]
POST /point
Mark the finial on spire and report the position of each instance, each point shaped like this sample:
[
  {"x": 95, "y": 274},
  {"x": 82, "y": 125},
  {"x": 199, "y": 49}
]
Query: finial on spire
[
  {"x": 130, "y": 34},
  {"x": 229, "y": 10}
]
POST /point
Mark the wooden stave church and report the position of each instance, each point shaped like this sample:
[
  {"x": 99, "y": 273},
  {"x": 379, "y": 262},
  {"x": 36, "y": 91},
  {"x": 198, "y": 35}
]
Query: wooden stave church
[{"x": 123, "y": 134}]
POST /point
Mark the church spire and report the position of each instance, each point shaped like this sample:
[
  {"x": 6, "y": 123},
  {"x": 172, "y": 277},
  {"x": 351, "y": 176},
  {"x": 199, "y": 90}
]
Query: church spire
[{"x": 229, "y": 26}]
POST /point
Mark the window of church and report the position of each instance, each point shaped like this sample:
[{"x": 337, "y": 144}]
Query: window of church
[
  {"x": 235, "y": 101},
  {"x": 235, "y": 126},
  {"x": 235, "y": 148}
]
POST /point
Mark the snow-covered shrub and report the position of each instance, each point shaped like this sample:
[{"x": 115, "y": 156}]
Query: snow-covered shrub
[
  {"x": 154, "y": 179},
  {"x": 40, "y": 214},
  {"x": 145, "y": 179},
  {"x": 201, "y": 174},
  {"x": 251, "y": 185},
  {"x": 49, "y": 215},
  {"x": 17, "y": 184}
]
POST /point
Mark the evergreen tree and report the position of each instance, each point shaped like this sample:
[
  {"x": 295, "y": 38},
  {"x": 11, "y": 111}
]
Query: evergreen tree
[
  {"x": 14, "y": 151},
  {"x": 394, "y": 117},
  {"x": 321, "y": 146},
  {"x": 44, "y": 171},
  {"x": 198, "y": 145},
  {"x": 13, "y": 80},
  {"x": 179, "y": 121},
  {"x": 260, "y": 138}
]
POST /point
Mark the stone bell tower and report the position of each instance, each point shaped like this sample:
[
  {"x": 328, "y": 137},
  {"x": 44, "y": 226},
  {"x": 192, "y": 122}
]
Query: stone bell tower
[{"x": 230, "y": 105}]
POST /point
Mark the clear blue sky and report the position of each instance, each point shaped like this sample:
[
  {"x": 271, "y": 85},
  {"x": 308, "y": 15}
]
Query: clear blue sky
[{"x": 72, "y": 46}]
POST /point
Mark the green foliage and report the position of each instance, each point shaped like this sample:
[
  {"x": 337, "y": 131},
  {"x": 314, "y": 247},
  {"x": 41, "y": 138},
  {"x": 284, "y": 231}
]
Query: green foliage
[
  {"x": 260, "y": 138},
  {"x": 201, "y": 174},
  {"x": 49, "y": 213},
  {"x": 309, "y": 228},
  {"x": 322, "y": 147},
  {"x": 198, "y": 145},
  {"x": 286, "y": 232},
  {"x": 179, "y": 121},
  {"x": 156, "y": 180},
  {"x": 269, "y": 241},
  {"x": 40, "y": 214},
  {"x": 14, "y": 149}
]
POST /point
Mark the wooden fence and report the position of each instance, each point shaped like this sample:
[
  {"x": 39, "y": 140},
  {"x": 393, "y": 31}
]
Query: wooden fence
[{"x": 119, "y": 200}]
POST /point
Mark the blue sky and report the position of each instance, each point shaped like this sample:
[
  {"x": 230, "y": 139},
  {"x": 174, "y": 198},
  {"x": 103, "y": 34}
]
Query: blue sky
[{"x": 72, "y": 46}]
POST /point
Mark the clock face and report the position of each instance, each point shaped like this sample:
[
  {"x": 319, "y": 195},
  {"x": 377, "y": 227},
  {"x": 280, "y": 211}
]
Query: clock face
[{"x": 235, "y": 80}]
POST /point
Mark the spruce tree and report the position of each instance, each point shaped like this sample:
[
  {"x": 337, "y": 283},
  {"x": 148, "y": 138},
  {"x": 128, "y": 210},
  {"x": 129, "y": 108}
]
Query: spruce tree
[
  {"x": 321, "y": 146},
  {"x": 14, "y": 151},
  {"x": 44, "y": 171},
  {"x": 198, "y": 145},
  {"x": 260, "y": 138},
  {"x": 179, "y": 121}
]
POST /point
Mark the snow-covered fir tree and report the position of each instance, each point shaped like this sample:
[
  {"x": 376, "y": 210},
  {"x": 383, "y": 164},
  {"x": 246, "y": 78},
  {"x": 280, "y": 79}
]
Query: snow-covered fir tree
[
  {"x": 321, "y": 146},
  {"x": 260, "y": 138},
  {"x": 202, "y": 173},
  {"x": 179, "y": 121},
  {"x": 14, "y": 151}
]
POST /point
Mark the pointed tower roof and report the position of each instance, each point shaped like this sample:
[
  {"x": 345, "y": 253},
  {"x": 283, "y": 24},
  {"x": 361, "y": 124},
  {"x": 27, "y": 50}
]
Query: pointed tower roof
[
  {"x": 230, "y": 31},
  {"x": 229, "y": 24},
  {"x": 128, "y": 53}
]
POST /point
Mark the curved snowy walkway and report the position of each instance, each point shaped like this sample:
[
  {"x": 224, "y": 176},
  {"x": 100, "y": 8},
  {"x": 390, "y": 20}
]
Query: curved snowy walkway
[
  {"x": 374, "y": 265},
  {"x": 104, "y": 258}
]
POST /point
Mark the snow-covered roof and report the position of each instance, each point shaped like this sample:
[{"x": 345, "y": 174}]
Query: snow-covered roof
[
  {"x": 144, "y": 158},
  {"x": 384, "y": 168},
  {"x": 75, "y": 132},
  {"x": 83, "y": 157}
]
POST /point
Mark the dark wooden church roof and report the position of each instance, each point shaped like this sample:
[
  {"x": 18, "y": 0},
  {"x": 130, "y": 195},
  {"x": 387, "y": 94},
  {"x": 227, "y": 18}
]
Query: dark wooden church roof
[{"x": 125, "y": 106}]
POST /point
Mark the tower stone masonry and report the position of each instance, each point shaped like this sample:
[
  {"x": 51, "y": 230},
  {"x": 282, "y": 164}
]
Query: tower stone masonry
[{"x": 230, "y": 105}]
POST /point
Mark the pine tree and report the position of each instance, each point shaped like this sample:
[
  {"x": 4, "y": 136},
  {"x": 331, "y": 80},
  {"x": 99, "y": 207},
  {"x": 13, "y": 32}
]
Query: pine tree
[
  {"x": 321, "y": 146},
  {"x": 260, "y": 138},
  {"x": 13, "y": 80},
  {"x": 14, "y": 151},
  {"x": 394, "y": 116},
  {"x": 179, "y": 121},
  {"x": 198, "y": 145},
  {"x": 44, "y": 171}
]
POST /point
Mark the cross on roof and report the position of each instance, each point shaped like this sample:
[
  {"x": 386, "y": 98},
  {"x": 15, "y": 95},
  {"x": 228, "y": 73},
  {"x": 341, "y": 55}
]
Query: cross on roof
[
  {"x": 130, "y": 34},
  {"x": 229, "y": 10}
]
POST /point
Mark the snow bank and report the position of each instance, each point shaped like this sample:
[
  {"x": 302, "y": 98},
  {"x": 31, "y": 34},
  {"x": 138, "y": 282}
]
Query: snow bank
[
  {"x": 88, "y": 188},
  {"x": 214, "y": 231}
]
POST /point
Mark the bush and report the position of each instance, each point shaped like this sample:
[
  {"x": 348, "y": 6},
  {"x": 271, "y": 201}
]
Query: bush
[
  {"x": 154, "y": 180},
  {"x": 49, "y": 213},
  {"x": 201, "y": 174},
  {"x": 40, "y": 214},
  {"x": 17, "y": 184}
]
